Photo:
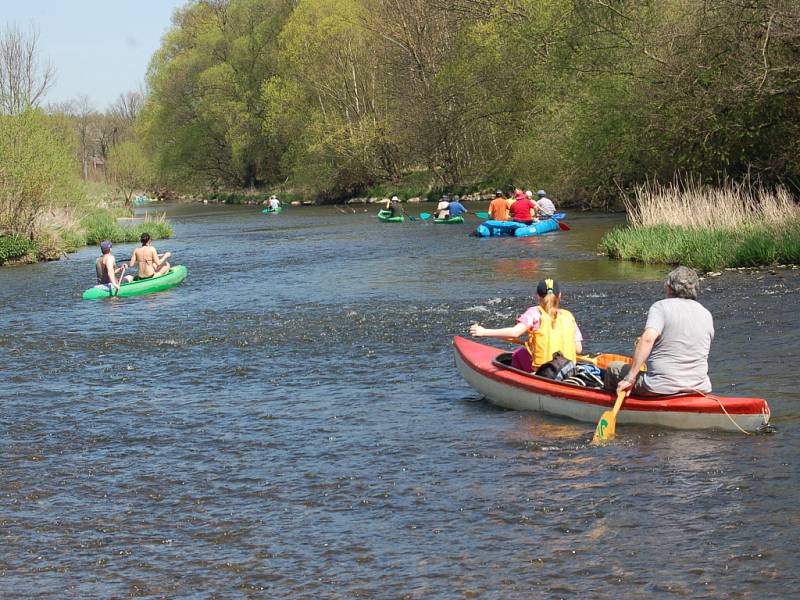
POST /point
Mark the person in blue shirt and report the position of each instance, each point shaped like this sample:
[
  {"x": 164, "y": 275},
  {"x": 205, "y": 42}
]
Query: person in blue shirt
[{"x": 455, "y": 208}]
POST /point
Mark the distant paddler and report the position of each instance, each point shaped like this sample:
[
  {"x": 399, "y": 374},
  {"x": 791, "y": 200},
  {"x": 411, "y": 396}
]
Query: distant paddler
[
  {"x": 544, "y": 206},
  {"x": 498, "y": 208},
  {"x": 394, "y": 205},
  {"x": 106, "y": 268},
  {"x": 274, "y": 204},
  {"x": 455, "y": 208},
  {"x": 442, "y": 209},
  {"x": 524, "y": 209}
]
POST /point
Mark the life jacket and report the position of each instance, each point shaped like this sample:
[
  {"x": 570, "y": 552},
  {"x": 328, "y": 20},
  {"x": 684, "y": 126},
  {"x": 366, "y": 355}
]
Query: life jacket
[{"x": 547, "y": 340}]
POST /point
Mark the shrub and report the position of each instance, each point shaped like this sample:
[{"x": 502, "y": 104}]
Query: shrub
[
  {"x": 102, "y": 225},
  {"x": 13, "y": 247},
  {"x": 36, "y": 172}
]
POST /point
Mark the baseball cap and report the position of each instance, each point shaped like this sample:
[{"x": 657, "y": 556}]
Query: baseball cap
[
  {"x": 529, "y": 194},
  {"x": 541, "y": 193},
  {"x": 548, "y": 286},
  {"x": 105, "y": 245}
]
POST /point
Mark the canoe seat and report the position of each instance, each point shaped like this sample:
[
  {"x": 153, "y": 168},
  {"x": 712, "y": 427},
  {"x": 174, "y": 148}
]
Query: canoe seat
[{"x": 604, "y": 359}]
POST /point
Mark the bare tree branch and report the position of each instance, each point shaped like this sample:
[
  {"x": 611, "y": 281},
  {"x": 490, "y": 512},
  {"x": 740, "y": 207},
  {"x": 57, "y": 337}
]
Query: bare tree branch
[{"x": 23, "y": 80}]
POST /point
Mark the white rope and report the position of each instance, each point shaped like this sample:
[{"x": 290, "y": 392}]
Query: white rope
[{"x": 722, "y": 406}]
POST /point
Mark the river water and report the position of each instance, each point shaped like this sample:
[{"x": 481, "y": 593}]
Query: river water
[{"x": 289, "y": 423}]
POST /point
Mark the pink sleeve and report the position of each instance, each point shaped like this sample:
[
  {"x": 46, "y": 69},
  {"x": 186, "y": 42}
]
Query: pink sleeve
[
  {"x": 530, "y": 318},
  {"x": 578, "y": 334}
]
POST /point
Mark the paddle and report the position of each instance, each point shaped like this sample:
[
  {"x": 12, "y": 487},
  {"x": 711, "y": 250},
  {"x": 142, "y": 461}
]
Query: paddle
[
  {"x": 563, "y": 226},
  {"x": 119, "y": 280},
  {"x": 607, "y": 425},
  {"x": 424, "y": 216}
]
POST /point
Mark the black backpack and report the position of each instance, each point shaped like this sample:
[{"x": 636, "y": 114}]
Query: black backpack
[{"x": 558, "y": 369}]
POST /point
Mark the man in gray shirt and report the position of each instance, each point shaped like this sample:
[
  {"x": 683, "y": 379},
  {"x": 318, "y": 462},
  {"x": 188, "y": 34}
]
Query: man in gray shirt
[{"x": 677, "y": 339}]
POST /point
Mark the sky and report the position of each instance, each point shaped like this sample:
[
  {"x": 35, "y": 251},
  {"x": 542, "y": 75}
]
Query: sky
[{"x": 99, "y": 48}]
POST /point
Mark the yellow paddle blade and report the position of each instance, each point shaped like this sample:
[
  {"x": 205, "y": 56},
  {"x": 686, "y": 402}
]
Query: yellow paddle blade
[
  {"x": 607, "y": 425},
  {"x": 606, "y": 428}
]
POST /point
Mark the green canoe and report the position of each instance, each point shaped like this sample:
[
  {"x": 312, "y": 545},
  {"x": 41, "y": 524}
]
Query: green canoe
[
  {"x": 266, "y": 211},
  {"x": 386, "y": 216},
  {"x": 450, "y": 220},
  {"x": 136, "y": 288}
]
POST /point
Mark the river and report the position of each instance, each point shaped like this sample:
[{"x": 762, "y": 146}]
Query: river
[{"x": 289, "y": 423}]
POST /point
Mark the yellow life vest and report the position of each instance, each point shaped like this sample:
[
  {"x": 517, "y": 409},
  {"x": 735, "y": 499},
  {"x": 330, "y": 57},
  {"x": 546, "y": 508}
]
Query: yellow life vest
[{"x": 548, "y": 339}]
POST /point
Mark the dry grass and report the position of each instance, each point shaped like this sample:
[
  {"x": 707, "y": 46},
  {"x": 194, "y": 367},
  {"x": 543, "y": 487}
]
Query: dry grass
[{"x": 695, "y": 206}]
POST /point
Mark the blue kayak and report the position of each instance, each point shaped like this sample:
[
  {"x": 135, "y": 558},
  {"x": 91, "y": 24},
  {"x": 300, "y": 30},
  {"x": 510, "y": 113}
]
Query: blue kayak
[{"x": 500, "y": 228}]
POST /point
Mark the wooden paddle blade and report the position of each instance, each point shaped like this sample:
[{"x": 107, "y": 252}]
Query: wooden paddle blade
[
  {"x": 607, "y": 425},
  {"x": 563, "y": 226},
  {"x": 606, "y": 428}
]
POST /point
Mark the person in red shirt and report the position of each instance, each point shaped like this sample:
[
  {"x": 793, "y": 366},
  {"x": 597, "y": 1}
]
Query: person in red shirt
[
  {"x": 523, "y": 210},
  {"x": 498, "y": 208}
]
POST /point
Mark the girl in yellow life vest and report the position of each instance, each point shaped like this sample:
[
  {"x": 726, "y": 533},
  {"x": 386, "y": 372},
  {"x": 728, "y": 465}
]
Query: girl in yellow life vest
[{"x": 550, "y": 329}]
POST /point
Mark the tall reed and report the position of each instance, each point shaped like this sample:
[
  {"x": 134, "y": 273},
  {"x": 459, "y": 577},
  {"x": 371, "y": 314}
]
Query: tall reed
[
  {"x": 708, "y": 228},
  {"x": 686, "y": 203}
]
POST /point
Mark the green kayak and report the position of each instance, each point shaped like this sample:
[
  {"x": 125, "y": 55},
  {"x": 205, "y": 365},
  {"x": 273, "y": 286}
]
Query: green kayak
[
  {"x": 386, "y": 216},
  {"x": 266, "y": 211},
  {"x": 136, "y": 288},
  {"x": 450, "y": 220}
]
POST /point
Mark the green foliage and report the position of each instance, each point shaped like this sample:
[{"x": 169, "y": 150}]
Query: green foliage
[
  {"x": 102, "y": 225},
  {"x": 129, "y": 169},
  {"x": 36, "y": 172},
  {"x": 14, "y": 247},
  {"x": 581, "y": 98},
  {"x": 72, "y": 241},
  {"x": 707, "y": 249},
  {"x": 205, "y": 91}
]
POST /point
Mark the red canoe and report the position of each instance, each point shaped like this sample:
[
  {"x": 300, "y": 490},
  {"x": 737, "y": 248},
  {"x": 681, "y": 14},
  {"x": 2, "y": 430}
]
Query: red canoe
[{"x": 514, "y": 389}]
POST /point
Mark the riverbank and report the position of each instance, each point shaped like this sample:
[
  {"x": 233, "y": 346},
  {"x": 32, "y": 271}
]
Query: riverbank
[
  {"x": 708, "y": 228},
  {"x": 63, "y": 233}
]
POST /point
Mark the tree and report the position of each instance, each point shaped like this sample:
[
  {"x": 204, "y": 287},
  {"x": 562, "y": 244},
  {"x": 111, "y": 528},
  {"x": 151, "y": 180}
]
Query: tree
[
  {"x": 129, "y": 169},
  {"x": 203, "y": 116},
  {"x": 23, "y": 80},
  {"x": 36, "y": 172}
]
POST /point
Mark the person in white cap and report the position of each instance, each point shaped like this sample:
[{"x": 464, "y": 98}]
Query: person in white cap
[
  {"x": 394, "y": 206},
  {"x": 274, "y": 203},
  {"x": 545, "y": 205},
  {"x": 442, "y": 209}
]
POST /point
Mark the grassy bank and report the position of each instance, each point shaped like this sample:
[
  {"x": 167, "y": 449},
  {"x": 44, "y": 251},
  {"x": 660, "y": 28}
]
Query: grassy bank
[
  {"x": 64, "y": 232},
  {"x": 102, "y": 224},
  {"x": 708, "y": 228}
]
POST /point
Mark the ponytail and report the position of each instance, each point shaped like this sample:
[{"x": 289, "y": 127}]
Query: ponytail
[{"x": 550, "y": 304}]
